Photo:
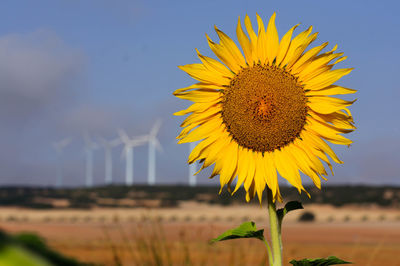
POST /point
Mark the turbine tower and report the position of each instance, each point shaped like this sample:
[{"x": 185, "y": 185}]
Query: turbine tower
[
  {"x": 192, "y": 167},
  {"x": 130, "y": 143},
  {"x": 108, "y": 145},
  {"x": 90, "y": 146},
  {"x": 59, "y": 146},
  {"x": 153, "y": 145}
]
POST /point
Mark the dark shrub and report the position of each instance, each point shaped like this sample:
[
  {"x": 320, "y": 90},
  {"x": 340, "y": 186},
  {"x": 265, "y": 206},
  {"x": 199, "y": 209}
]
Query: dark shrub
[{"x": 307, "y": 217}]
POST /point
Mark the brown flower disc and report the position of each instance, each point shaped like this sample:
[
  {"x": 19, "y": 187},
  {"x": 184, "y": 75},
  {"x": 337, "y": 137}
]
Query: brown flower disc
[{"x": 264, "y": 108}]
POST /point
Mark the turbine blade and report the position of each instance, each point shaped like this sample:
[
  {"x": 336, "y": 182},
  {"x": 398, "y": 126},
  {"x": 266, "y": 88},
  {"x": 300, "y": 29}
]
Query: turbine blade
[
  {"x": 89, "y": 143},
  {"x": 124, "y": 151},
  {"x": 86, "y": 137},
  {"x": 123, "y": 135},
  {"x": 158, "y": 145},
  {"x": 63, "y": 143},
  {"x": 140, "y": 140},
  {"x": 115, "y": 142},
  {"x": 156, "y": 127},
  {"x": 60, "y": 145},
  {"x": 102, "y": 140}
]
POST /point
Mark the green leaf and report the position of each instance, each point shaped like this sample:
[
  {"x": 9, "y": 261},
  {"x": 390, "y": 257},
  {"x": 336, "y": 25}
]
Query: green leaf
[
  {"x": 245, "y": 230},
  {"x": 290, "y": 206},
  {"x": 332, "y": 260}
]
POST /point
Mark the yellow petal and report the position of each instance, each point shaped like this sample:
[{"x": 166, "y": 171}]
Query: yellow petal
[
  {"x": 307, "y": 57},
  {"x": 251, "y": 170},
  {"x": 294, "y": 45},
  {"x": 322, "y": 156},
  {"x": 198, "y": 118},
  {"x": 326, "y": 79},
  {"x": 197, "y": 107},
  {"x": 284, "y": 45},
  {"x": 196, "y": 153},
  {"x": 327, "y": 121},
  {"x": 253, "y": 39},
  {"x": 312, "y": 158},
  {"x": 251, "y": 192},
  {"x": 228, "y": 158},
  {"x": 278, "y": 196},
  {"x": 199, "y": 151},
  {"x": 304, "y": 163},
  {"x": 340, "y": 60},
  {"x": 330, "y": 90},
  {"x": 271, "y": 176},
  {"x": 202, "y": 131},
  {"x": 338, "y": 119},
  {"x": 243, "y": 167},
  {"x": 286, "y": 169},
  {"x": 322, "y": 70},
  {"x": 213, "y": 65},
  {"x": 230, "y": 45},
  {"x": 260, "y": 174},
  {"x": 327, "y": 134},
  {"x": 327, "y": 105},
  {"x": 200, "y": 96},
  {"x": 320, "y": 144},
  {"x": 316, "y": 63},
  {"x": 224, "y": 55},
  {"x": 261, "y": 42},
  {"x": 244, "y": 42},
  {"x": 328, "y": 127},
  {"x": 212, "y": 152},
  {"x": 200, "y": 86},
  {"x": 299, "y": 51},
  {"x": 201, "y": 73},
  {"x": 186, "y": 131},
  {"x": 216, "y": 170},
  {"x": 272, "y": 40}
]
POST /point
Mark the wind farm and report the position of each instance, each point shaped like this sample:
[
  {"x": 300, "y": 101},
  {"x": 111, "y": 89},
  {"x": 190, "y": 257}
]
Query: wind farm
[
  {"x": 123, "y": 142},
  {"x": 108, "y": 145},
  {"x": 129, "y": 144},
  {"x": 59, "y": 147},
  {"x": 89, "y": 148},
  {"x": 154, "y": 144}
]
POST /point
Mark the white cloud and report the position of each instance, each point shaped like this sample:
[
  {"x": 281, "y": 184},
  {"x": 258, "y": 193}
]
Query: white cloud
[
  {"x": 38, "y": 77},
  {"x": 36, "y": 68}
]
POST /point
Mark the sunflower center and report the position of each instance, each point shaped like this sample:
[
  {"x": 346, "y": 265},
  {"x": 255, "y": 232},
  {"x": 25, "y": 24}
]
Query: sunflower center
[{"x": 264, "y": 108}]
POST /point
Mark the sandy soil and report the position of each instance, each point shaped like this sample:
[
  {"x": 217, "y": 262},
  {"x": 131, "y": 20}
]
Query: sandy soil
[
  {"x": 365, "y": 236},
  {"x": 192, "y": 211}
]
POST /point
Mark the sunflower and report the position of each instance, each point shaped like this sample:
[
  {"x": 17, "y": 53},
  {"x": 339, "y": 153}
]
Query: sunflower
[{"x": 267, "y": 110}]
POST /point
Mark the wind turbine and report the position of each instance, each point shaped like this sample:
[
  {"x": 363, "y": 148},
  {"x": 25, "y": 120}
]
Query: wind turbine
[
  {"x": 130, "y": 143},
  {"x": 90, "y": 146},
  {"x": 108, "y": 145},
  {"x": 59, "y": 147},
  {"x": 153, "y": 145},
  {"x": 192, "y": 167}
]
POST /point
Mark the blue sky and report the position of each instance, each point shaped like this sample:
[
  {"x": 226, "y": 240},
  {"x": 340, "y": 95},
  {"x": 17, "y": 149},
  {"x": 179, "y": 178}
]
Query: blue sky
[{"x": 69, "y": 66}]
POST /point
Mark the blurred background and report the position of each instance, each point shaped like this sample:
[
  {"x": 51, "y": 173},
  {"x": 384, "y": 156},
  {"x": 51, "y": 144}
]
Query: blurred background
[{"x": 88, "y": 137}]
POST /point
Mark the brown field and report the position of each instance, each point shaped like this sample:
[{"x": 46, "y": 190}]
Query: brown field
[{"x": 365, "y": 236}]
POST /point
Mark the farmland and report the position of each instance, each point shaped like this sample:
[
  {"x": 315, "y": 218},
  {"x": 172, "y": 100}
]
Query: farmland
[
  {"x": 172, "y": 225},
  {"x": 180, "y": 235}
]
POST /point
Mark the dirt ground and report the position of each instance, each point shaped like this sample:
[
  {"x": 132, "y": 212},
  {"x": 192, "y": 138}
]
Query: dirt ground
[{"x": 364, "y": 236}]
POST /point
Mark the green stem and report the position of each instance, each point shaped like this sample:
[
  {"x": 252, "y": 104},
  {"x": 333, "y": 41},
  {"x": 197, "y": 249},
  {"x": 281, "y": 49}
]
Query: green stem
[
  {"x": 269, "y": 252},
  {"x": 275, "y": 231}
]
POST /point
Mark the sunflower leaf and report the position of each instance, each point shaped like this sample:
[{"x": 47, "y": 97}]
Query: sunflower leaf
[
  {"x": 290, "y": 206},
  {"x": 332, "y": 260},
  {"x": 245, "y": 230}
]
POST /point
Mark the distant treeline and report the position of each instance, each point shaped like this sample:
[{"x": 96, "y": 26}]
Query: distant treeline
[{"x": 171, "y": 196}]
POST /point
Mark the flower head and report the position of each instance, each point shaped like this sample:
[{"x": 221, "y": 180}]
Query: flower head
[{"x": 266, "y": 111}]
